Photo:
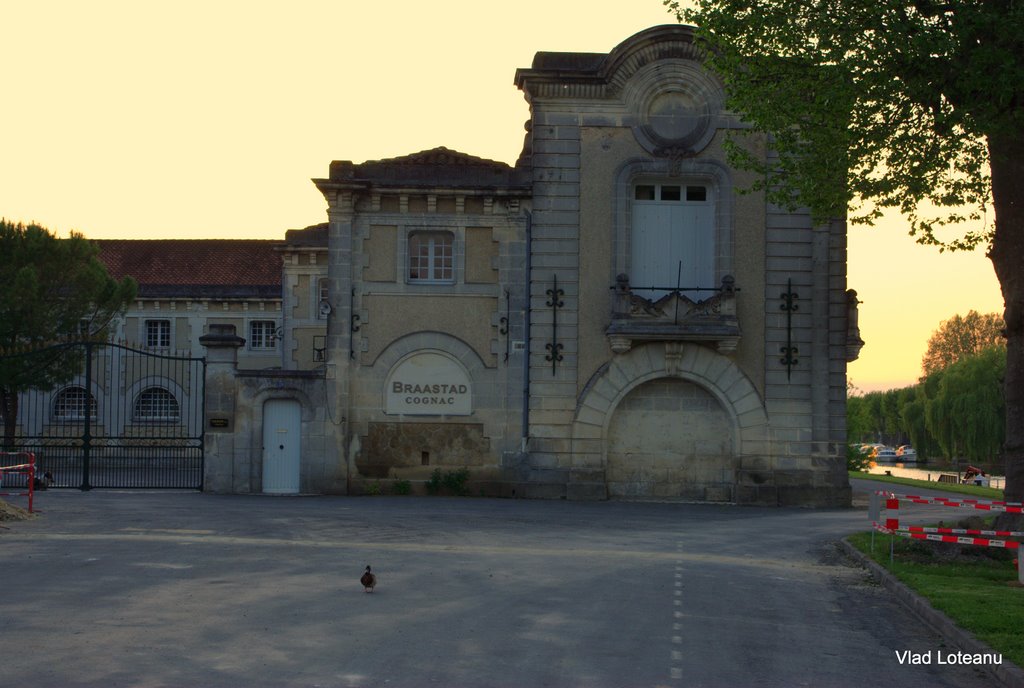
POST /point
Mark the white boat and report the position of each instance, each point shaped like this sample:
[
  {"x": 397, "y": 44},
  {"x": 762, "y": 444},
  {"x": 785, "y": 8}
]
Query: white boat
[
  {"x": 886, "y": 454},
  {"x": 906, "y": 453}
]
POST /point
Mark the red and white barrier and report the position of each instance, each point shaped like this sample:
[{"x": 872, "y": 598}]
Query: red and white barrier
[
  {"x": 27, "y": 469},
  {"x": 963, "y": 531},
  {"x": 959, "y": 539},
  {"x": 1008, "y": 507},
  {"x": 961, "y": 536}
]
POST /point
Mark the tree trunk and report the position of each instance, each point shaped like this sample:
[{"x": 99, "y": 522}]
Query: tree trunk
[
  {"x": 9, "y": 411},
  {"x": 1006, "y": 152}
]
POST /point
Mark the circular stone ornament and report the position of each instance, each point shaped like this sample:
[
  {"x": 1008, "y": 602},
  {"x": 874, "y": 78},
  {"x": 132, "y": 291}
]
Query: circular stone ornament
[
  {"x": 677, "y": 118},
  {"x": 676, "y": 106}
]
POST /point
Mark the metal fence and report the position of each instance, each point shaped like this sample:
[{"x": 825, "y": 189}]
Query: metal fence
[{"x": 108, "y": 415}]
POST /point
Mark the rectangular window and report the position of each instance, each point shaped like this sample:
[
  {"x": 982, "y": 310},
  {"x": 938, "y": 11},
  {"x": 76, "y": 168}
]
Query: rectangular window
[
  {"x": 670, "y": 193},
  {"x": 323, "y": 303},
  {"x": 431, "y": 257},
  {"x": 262, "y": 335},
  {"x": 645, "y": 192},
  {"x": 697, "y": 193},
  {"x": 158, "y": 334}
]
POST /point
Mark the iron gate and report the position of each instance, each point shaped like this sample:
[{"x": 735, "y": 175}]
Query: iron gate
[{"x": 100, "y": 414}]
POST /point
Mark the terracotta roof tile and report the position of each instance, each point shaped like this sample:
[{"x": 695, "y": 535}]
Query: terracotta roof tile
[{"x": 198, "y": 268}]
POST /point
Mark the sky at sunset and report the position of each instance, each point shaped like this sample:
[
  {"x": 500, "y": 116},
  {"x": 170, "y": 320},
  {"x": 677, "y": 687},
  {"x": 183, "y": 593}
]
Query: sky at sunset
[{"x": 208, "y": 119}]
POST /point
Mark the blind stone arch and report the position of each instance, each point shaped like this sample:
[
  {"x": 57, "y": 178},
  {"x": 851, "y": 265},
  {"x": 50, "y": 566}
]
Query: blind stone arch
[{"x": 716, "y": 373}]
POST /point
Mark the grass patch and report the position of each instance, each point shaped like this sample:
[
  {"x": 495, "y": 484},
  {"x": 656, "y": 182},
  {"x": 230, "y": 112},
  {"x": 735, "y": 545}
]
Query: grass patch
[
  {"x": 973, "y": 490},
  {"x": 976, "y": 588}
]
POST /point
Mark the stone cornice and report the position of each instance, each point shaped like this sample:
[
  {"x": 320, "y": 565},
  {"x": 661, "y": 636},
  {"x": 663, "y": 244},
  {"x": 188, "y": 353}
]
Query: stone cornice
[{"x": 590, "y": 76}]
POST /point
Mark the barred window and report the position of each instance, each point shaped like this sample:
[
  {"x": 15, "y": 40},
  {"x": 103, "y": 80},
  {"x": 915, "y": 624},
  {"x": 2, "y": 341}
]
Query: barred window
[
  {"x": 263, "y": 335},
  {"x": 71, "y": 404},
  {"x": 158, "y": 334},
  {"x": 156, "y": 403},
  {"x": 431, "y": 257}
]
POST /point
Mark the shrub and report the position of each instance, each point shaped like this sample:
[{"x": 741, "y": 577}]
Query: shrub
[
  {"x": 456, "y": 481},
  {"x": 449, "y": 481},
  {"x": 434, "y": 484},
  {"x": 856, "y": 460}
]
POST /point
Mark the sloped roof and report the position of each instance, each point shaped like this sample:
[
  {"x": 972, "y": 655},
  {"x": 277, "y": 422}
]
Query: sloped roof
[
  {"x": 314, "y": 236},
  {"x": 196, "y": 268},
  {"x": 437, "y": 167}
]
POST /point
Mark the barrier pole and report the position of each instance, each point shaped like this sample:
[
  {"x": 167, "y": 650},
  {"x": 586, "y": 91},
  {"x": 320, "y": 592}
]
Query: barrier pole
[
  {"x": 26, "y": 469},
  {"x": 893, "y": 503},
  {"x": 874, "y": 512},
  {"x": 31, "y": 479}
]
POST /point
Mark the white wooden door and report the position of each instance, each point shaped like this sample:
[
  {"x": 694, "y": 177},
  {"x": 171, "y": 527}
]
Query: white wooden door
[
  {"x": 673, "y": 243},
  {"x": 282, "y": 445}
]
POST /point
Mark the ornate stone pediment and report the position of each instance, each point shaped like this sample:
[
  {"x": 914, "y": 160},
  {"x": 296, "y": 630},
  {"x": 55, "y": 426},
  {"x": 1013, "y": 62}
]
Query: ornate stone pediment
[{"x": 674, "y": 317}]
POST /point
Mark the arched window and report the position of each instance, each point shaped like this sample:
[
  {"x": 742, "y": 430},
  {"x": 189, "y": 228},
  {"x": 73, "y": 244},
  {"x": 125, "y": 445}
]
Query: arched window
[
  {"x": 156, "y": 403},
  {"x": 71, "y": 404}
]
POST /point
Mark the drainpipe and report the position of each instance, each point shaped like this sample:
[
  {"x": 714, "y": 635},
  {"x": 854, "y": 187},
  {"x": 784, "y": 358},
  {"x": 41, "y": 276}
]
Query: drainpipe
[
  {"x": 526, "y": 335},
  {"x": 285, "y": 338}
]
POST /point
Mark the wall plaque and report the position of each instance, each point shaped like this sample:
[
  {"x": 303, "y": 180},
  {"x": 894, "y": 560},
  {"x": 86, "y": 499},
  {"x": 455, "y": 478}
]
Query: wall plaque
[{"x": 428, "y": 383}]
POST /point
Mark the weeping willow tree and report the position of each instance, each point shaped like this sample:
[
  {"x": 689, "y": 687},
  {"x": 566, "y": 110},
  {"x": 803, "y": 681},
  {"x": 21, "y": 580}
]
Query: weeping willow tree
[
  {"x": 955, "y": 413},
  {"x": 966, "y": 415},
  {"x": 915, "y": 424}
]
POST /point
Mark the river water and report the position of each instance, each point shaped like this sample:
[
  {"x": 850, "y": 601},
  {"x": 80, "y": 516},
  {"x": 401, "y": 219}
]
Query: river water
[{"x": 910, "y": 470}]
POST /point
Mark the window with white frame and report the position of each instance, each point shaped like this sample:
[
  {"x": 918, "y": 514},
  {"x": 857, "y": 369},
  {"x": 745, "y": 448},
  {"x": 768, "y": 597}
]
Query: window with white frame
[
  {"x": 262, "y": 335},
  {"x": 431, "y": 257},
  {"x": 156, "y": 403},
  {"x": 323, "y": 294},
  {"x": 158, "y": 334},
  {"x": 71, "y": 403}
]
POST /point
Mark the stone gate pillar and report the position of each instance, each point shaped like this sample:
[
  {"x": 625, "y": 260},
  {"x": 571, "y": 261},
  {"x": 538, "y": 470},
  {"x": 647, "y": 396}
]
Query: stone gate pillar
[{"x": 222, "y": 346}]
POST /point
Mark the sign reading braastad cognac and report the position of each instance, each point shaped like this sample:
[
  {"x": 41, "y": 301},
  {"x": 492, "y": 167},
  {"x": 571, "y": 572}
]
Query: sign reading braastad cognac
[{"x": 428, "y": 384}]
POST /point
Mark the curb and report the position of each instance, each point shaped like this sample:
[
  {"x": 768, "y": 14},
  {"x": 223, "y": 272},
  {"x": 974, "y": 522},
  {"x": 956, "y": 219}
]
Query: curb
[{"x": 1008, "y": 673}]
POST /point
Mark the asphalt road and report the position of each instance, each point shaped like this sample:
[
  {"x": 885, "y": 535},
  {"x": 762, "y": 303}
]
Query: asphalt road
[{"x": 184, "y": 589}]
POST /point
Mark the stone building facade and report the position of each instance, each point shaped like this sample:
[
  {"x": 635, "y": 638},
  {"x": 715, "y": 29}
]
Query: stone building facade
[{"x": 610, "y": 317}]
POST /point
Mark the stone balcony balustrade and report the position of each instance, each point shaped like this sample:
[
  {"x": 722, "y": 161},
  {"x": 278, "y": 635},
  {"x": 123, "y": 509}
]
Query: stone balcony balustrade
[{"x": 673, "y": 316}]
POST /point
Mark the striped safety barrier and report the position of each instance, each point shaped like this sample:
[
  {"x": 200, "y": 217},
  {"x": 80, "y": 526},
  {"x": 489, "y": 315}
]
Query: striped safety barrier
[
  {"x": 959, "y": 539},
  {"x": 1008, "y": 507},
  {"x": 960, "y": 536}
]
